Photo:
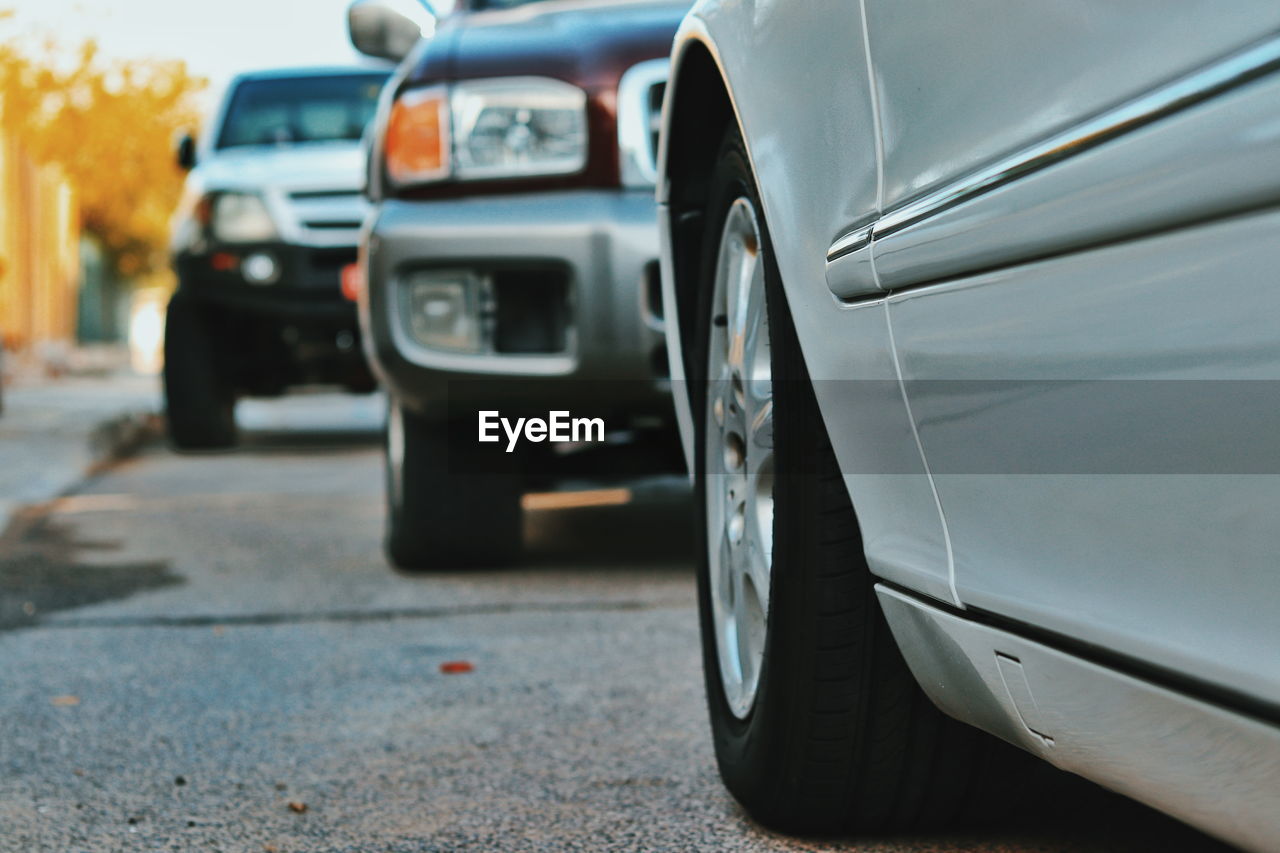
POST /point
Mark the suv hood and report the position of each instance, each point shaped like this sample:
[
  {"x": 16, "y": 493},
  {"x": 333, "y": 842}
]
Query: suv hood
[
  {"x": 327, "y": 165},
  {"x": 586, "y": 42}
]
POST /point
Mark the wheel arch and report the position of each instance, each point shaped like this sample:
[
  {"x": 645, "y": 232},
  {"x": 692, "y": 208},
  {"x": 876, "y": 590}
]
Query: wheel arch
[{"x": 699, "y": 108}]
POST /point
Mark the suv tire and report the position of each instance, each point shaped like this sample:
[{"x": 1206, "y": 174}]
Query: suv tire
[
  {"x": 199, "y": 398},
  {"x": 443, "y": 510}
]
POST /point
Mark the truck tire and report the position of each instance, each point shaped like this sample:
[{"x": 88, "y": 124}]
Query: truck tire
[
  {"x": 199, "y": 398},
  {"x": 825, "y": 731},
  {"x": 443, "y": 513}
]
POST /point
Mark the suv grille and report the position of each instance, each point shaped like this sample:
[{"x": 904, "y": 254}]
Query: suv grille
[
  {"x": 640, "y": 94},
  {"x": 656, "y": 92}
]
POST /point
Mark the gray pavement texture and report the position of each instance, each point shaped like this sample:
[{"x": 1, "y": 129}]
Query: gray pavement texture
[
  {"x": 53, "y": 432},
  {"x": 209, "y": 653}
]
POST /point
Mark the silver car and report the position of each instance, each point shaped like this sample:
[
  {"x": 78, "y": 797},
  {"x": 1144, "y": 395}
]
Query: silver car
[{"x": 976, "y": 305}]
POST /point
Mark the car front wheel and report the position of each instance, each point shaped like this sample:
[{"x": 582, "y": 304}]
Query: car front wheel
[{"x": 818, "y": 724}]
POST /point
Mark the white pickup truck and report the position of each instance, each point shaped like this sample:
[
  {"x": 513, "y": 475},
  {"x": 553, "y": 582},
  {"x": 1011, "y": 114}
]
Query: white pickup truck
[{"x": 268, "y": 222}]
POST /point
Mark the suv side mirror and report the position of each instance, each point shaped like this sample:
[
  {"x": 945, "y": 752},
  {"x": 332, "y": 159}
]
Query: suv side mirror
[
  {"x": 388, "y": 29},
  {"x": 186, "y": 152}
]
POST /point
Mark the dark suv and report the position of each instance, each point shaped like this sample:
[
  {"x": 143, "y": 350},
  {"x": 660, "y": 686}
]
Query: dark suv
[
  {"x": 511, "y": 261},
  {"x": 268, "y": 223}
]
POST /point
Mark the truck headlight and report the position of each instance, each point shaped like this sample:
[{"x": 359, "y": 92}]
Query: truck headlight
[
  {"x": 241, "y": 218},
  {"x": 511, "y": 127}
]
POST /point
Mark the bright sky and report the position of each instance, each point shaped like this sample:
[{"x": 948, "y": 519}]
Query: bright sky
[{"x": 217, "y": 38}]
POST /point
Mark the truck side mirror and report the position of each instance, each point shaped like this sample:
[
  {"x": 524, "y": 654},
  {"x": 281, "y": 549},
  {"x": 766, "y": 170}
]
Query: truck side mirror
[
  {"x": 388, "y": 29},
  {"x": 186, "y": 152}
]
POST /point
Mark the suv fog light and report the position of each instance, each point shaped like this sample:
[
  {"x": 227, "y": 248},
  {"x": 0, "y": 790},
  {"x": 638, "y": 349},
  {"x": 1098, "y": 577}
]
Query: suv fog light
[
  {"x": 260, "y": 268},
  {"x": 443, "y": 310}
]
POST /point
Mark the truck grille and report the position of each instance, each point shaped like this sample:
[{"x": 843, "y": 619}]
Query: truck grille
[
  {"x": 326, "y": 217},
  {"x": 640, "y": 94}
]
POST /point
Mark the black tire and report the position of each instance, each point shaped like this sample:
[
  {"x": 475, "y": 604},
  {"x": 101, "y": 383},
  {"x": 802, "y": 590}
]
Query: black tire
[
  {"x": 840, "y": 738},
  {"x": 444, "y": 510},
  {"x": 199, "y": 397}
]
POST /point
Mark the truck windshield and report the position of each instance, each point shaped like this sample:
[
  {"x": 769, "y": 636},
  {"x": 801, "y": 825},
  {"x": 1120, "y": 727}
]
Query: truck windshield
[{"x": 288, "y": 110}]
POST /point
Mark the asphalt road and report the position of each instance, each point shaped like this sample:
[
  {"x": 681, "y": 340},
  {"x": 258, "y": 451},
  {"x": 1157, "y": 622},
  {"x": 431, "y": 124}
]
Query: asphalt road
[{"x": 209, "y": 653}]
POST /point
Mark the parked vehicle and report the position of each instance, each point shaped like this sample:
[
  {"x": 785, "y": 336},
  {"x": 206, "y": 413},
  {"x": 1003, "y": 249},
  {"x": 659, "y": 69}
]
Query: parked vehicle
[
  {"x": 268, "y": 222},
  {"x": 978, "y": 317},
  {"x": 511, "y": 261}
]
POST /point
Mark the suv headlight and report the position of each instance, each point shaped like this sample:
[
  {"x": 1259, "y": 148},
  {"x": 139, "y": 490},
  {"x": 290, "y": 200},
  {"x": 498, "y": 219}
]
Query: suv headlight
[
  {"x": 516, "y": 127},
  {"x": 240, "y": 218},
  {"x": 416, "y": 145},
  {"x": 502, "y": 128}
]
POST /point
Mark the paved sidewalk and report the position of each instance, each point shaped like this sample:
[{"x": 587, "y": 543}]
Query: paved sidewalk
[{"x": 53, "y": 432}]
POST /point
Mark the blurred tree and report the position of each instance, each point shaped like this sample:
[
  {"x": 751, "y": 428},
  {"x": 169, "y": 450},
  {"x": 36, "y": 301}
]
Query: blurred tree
[{"x": 110, "y": 126}]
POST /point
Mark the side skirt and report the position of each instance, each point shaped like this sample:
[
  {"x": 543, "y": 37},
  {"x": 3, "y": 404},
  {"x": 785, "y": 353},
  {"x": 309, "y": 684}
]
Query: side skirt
[{"x": 1214, "y": 768}]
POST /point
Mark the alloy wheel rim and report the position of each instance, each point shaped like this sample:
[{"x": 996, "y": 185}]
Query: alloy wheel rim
[{"x": 739, "y": 464}]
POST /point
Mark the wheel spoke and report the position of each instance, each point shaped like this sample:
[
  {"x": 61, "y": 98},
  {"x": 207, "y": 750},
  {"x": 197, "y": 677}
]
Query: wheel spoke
[
  {"x": 739, "y": 273},
  {"x": 757, "y": 364},
  {"x": 760, "y": 432},
  {"x": 741, "y": 287},
  {"x": 742, "y": 625},
  {"x": 760, "y": 525},
  {"x": 733, "y": 320},
  {"x": 752, "y": 624}
]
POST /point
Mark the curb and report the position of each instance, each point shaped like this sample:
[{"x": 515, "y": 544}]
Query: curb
[
  {"x": 120, "y": 437},
  {"x": 110, "y": 441}
]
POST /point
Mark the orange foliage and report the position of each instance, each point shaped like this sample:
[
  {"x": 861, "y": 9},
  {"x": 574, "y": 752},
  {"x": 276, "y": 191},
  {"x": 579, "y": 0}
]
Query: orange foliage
[{"x": 110, "y": 126}]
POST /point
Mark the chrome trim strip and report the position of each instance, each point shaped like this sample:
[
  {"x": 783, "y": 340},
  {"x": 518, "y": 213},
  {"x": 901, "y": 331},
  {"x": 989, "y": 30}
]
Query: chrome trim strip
[
  {"x": 1234, "y": 71},
  {"x": 850, "y": 243},
  {"x": 1189, "y": 90}
]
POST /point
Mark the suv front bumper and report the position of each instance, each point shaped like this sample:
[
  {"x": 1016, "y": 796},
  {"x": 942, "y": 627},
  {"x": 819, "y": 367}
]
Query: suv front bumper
[
  {"x": 307, "y": 285},
  {"x": 299, "y": 329},
  {"x": 602, "y": 244}
]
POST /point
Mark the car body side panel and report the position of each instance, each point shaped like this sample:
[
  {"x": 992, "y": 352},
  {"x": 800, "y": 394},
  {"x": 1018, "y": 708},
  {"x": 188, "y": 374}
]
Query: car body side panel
[
  {"x": 1104, "y": 432},
  {"x": 1045, "y": 431},
  {"x": 902, "y": 532},
  {"x": 960, "y": 85},
  {"x": 813, "y": 183}
]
